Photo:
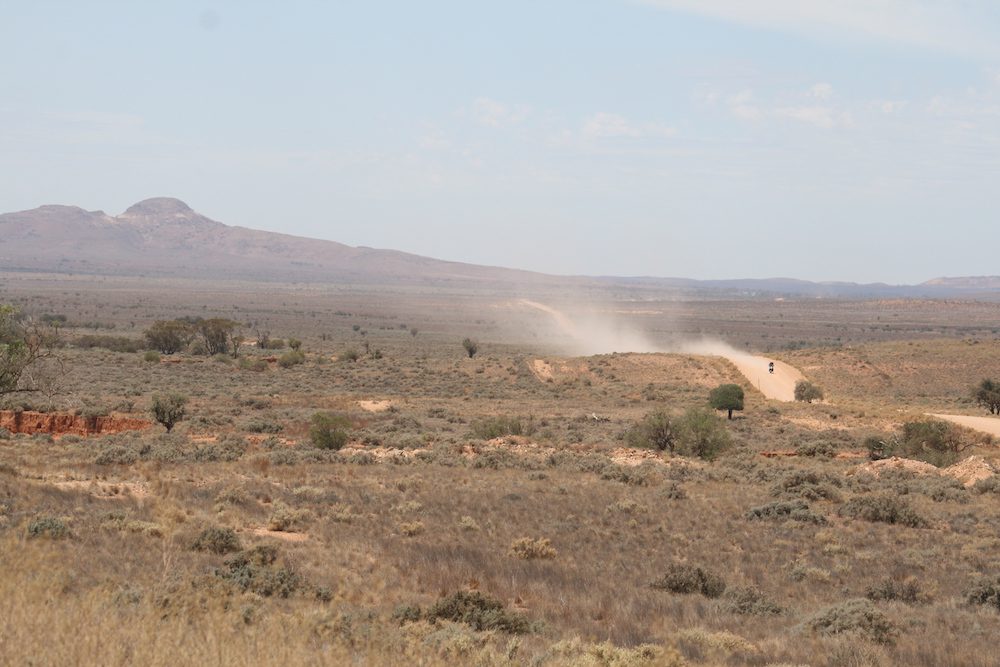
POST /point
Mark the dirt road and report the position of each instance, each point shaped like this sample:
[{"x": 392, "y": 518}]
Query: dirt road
[
  {"x": 779, "y": 386},
  {"x": 989, "y": 425}
]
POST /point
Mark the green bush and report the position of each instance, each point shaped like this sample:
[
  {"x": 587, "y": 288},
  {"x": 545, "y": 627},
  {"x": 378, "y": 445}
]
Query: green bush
[
  {"x": 328, "y": 430},
  {"x": 151, "y": 356},
  {"x": 932, "y": 441},
  {"x": 907, "y": 591},
  {"x": 264, "y": 426},
  {"x": 291, "y": 358},
  {"x": 808, "y": 392},
  {"x": 169, "y": 409},
  {"x": 497, "y": 427},
  {"x": 701, "y": 433},
  {"x": 686, "y": 579},
  {"x": 479, "y": 611},
  {"x": 217, "y": 541},
  {"x": 48, "y": 526},
  {"x": 986, "y": 592},
  {"x": 749, "y": 601},
  {"x": 857, "y": 617},
  {"x": 117, "y": 455},
  {"x": 988, "y": 485},
  {"x": 879, "y": 448},
  {"x": 655, "y": 431},
  {"x": 793, "y": 510},
  {"x": 808, "y": 485},
  {"x": 883, "y": 509},
  {"x": 256, "y": 365},
  {"x": 253, "y": 572}
]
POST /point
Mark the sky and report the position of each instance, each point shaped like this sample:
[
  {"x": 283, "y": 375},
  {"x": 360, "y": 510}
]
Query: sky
[{"x": 854, "y": 140}]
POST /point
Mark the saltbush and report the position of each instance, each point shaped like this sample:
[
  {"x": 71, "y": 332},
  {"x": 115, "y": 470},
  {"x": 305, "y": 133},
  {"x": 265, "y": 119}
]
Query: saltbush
[
  {"x": 883, "y": 509},
  {"x": 858, "y": 617},
  {"x": 217, "y": 541},
  {"x": 686, "y": 579}
]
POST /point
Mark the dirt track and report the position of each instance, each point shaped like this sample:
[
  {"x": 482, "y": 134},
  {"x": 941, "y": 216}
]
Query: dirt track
[
  {"x": 780, "y": 385},
  {"x": 989, "y": 425}
]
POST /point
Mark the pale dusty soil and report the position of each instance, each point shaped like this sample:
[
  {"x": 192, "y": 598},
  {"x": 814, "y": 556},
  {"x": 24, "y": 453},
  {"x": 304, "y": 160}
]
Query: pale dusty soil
[
  {"x": 102, "y": 489},
  {"x": 818, "y": 424},
  {"x": 971, "y": 470},
  {"x": 375, "y": 406},
  {"x": 779, "y": 386},
  {"x": 897, "y": 463},
  {"x": 989, "y": 425},
  {"x": 967, "y": 471},
  {"x": 542, "y": 369},
  {"x": 281, "y": 535}
]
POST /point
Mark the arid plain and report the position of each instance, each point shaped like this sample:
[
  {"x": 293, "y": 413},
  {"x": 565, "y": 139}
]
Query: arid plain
[{"x": 513, "y": 506}]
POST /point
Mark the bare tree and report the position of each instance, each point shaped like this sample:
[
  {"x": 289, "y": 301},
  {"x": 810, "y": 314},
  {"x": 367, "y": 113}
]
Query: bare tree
[{"x": 24, "y": 343}]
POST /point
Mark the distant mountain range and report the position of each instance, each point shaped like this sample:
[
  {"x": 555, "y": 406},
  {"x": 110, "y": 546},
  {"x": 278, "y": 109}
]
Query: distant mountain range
[{"x": 163, "y": 237}]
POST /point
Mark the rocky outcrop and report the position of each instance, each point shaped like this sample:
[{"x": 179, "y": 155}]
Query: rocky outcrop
[{"x": 61, "y": 423}]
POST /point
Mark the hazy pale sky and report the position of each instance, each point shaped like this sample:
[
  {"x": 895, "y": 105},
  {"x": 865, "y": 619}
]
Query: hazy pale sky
[{"x": 817, "y": 139}]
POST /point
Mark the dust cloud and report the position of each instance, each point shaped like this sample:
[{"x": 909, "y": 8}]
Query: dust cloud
[{"x": 591, "y": 332}]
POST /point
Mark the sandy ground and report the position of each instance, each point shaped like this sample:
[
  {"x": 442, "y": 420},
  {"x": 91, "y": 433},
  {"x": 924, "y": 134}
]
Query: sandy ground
[
  {"x": 375, "y": 406},
  {"x": 779, "y": 386},
  {"x": 989, "y": 425}
]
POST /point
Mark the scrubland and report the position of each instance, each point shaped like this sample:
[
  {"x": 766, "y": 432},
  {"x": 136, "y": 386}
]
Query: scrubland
[{"x": 489, "y": 510}]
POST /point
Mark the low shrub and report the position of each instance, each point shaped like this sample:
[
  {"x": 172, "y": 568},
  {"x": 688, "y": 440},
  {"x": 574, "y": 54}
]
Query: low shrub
[
  {"x": 533, "y": 549},
  {"x": 151, "y": 356},
  {"x": 479, "y": 611},
  {"x": 858, "y": 617},
  {"x": 219, "y": 541},
  {"x": 808, "y": 392},
  {"x": 824, "y": 450},
  {"x": 882, "y": 509},
  {"x": 655, "y": 431},
  {"x": 988, "y": 485},
  {"x": 285, "y": 519},
  {"x": 328, "y": 430},
  {"x": 48, "y": 526},
  {"x": 116, "y": 455},
  {"x": 749, "y": 601},
  {"x": 496, "y": 427},
  {"x": 264, "y": 426},
  {"x": 687, "y": 579},
  {"x": 792, "y": 510},
  {"x": 252, "y": 571},
  {"x": 808, "y": 485},
  {"x": 701, "y": 433},
  {"x": 291, "y": 358},
  {"x": 907, "y": 591},
  {"x": 985, "y": 591}
]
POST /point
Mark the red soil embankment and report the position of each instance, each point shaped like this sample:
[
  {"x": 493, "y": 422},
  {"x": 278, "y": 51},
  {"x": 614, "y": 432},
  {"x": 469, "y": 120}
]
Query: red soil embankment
[{"x": 56, "y": 423}]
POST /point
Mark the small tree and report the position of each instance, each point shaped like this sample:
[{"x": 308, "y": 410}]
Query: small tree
[
  {"x": 987, "y": 395},
  {"x": 727, "y": 397},
  {"x": 329, "y": 431},
  {"x": 216, "y": 332},
  {"x": 932, "y": 441},
  {"x": 169, "y": 336},
  {"x": 471, "y": 347},
  {"x": 23, "y": 344},
  {"x": 169, "y": 409},
  {"x": 807, "y": 391}
]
